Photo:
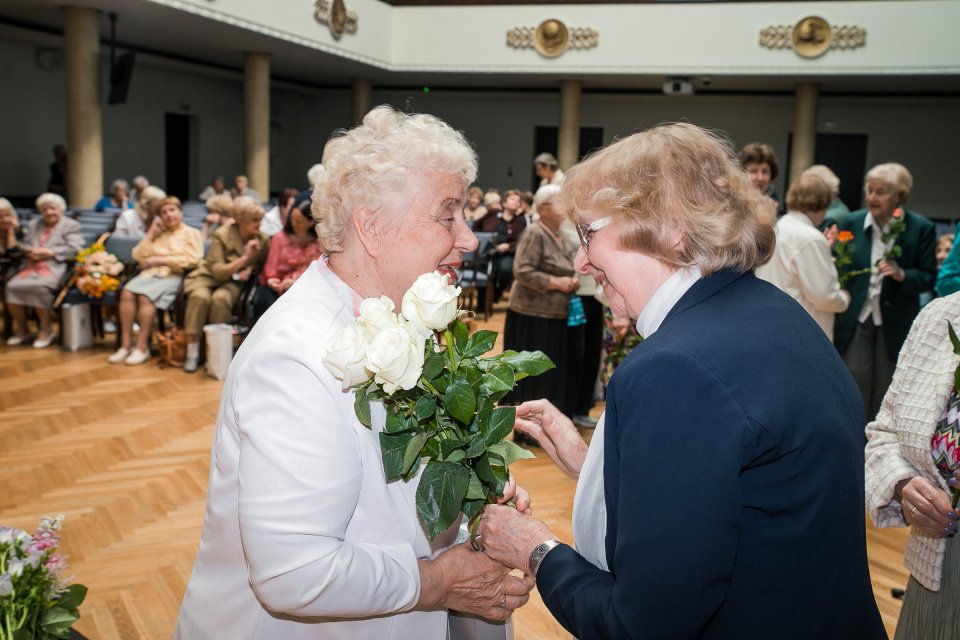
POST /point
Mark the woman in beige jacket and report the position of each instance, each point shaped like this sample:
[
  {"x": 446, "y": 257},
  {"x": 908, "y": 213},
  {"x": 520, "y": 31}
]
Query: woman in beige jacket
[{"x": 911, "y": 463}]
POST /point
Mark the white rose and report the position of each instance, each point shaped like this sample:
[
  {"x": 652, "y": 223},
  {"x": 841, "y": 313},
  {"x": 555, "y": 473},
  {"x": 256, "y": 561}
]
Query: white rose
[
  {"x": 376, "y": 314},
  {"x": 395, "y": 356},
  {"x": 431, "y": 303},
  {"x": 344, "y": 356}
]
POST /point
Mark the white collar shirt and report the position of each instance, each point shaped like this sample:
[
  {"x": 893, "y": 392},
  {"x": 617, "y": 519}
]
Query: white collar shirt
[{"x": 871, "y": 306}]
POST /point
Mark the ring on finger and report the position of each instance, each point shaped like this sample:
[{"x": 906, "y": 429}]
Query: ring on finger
[
  {"x": 914, "y": 510},
  {"x": 503, "y": 602},
  {"x": 477, "y": 542}
]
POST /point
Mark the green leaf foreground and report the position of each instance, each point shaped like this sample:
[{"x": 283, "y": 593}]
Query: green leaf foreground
[{"x": 450, "y": 426}]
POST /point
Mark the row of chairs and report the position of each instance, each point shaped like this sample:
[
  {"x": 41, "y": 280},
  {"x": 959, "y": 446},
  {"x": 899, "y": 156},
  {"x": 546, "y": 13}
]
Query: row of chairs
[{"x": 476, "y": 274}]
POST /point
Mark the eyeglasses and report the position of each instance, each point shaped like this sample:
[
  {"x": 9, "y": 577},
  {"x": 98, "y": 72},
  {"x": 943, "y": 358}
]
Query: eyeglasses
[{"x": 585, "y": 231}]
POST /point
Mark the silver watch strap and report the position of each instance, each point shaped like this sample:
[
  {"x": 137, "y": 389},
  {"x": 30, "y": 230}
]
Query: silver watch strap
[{"x": 539, "y": 553}]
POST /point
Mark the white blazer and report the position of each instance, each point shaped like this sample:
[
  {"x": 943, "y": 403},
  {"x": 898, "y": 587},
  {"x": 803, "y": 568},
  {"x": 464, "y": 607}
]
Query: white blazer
[
  {"x": 302, "y": 536},
  {"x": 802, "y": 267}
]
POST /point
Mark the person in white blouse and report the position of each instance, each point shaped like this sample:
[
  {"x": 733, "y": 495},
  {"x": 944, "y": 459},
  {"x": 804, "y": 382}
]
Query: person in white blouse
[
  {"x": 303, "y": 537},
  {"x": 801, "y": 264}
]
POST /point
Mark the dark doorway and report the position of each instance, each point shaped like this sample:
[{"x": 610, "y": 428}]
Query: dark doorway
[
  {"x": 177, "y": 137},
  {"x": 846, "y": 155},
  {"x": 545, "y": 140}
]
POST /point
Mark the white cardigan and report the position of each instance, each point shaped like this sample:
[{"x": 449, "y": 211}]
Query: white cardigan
[
  {"x": 302, "y": 537},
  {"x": 898, "y": 444},
  {"x": 802, "y": 267}
]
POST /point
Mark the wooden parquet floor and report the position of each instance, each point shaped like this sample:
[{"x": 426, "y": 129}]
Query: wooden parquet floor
[{"x": 123, "y": 453}]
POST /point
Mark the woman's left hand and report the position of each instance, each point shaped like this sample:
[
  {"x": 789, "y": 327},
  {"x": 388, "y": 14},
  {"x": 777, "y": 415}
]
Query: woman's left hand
[
  {"x": 927, "y": 507},
  {"x": 509, "y": 536},
  {"x": 519, "y": 495}
]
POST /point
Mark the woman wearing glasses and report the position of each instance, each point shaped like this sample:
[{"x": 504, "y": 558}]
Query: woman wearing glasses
[
  {"x": 540, "y": 304},
  {"x": 724, "y": 485}
]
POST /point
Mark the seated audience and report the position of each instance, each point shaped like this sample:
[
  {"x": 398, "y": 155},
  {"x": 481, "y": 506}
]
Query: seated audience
[
  {"x": 802, "y": 264},
  {"x": 491, "y": 202},
  {"x": 219, "y": 214},
  {"x": 50, "y": 246},
  {"x": 242, "y": 188},
  {"x": 133, "y": 223},
  {"x": 759, "y": 160},
  {"x": 139, "y": 184},
  {"x": 117, "y": 198},
  {"x": 547, "y": 169},
  {"x": 911, "y": 471},
  {"x": 214, "y": 287},
  {"x": 291, "y": 252},
  {"x": 11, "y": 236},
  {"x": 276, "y": 218},
  {"x": 948, "y": 276},
  {"x": 886, "y": 298},
  {"x": 507, "y": 227},
  {"x": 215, "y": 188},
  {"x": 474, "y": 210},
  {"x": 526, "y": 207},
  {"x": 168, "y": 248}
]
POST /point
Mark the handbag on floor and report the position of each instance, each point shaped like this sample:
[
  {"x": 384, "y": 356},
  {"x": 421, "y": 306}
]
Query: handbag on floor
[{"x": 173, "y": 348}]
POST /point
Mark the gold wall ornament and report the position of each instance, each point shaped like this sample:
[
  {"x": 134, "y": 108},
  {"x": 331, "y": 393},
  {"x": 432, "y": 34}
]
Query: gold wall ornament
[
  {"x": 552, "y": 37},
  {"x": 812, "y": 37},
  {"x": 335, "y": 15}
]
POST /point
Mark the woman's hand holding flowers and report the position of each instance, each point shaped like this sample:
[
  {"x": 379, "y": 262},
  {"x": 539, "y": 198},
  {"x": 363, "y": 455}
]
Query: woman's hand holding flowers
[
  {"x": 927, "y": 507},
  {"x": 509, "y": 537}
]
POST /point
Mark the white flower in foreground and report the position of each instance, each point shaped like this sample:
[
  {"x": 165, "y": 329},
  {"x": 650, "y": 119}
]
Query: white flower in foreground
[
  {"x": 376, "y": 314},
  {"x": 395, "y": 356},
  {"x": 431, "y": 302},
  {"x": 6, "y": 585},
  {"x": 345, "y": 354}
]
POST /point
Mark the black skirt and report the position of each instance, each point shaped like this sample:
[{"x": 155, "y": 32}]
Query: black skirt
[{"x": 563, "y": 344}]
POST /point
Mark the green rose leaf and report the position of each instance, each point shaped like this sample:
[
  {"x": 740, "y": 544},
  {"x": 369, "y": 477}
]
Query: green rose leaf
[
  {"x": 481, "y": 420},
  {"x": 455, "y": 456},
  {"x": 447, "y": 447},
  {"x": 501, "y": 424},
  {"x": 393, "y": 448},
  {"x": 412, "y": 452},
  {"x": 361, "y": 404},
  {"x": 493, "y": 476},
  {"x": 528, "y": 363},
  {"x": 433, "y": 365},
  {"x": 477, "y": 446},
  {"x": 510, "y": 452},
  {"x": 396, "y": 422},
  {"x": 440, "y": 495},
  {"x": 475, "y": 490},
  {"x": 56, "y": 621},
  {"x": 426, "y": 407},
  {"x": 460, "y": 336},
  {"x": 473, "y": 507},
  {"x": 470, "y": 372},
  {"x": 499, "y": 378},
  {"x": 480, "y": 343},
  {"x": 460, "y": 402},
  {"x": 73, "y": 597}
]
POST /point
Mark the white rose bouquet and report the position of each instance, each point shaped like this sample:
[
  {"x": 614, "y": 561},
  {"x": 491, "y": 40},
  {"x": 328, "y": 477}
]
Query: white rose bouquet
[{"x": 441, "y": 401}]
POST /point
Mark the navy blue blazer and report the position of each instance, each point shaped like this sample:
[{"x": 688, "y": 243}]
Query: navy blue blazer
[{"x": 733, "y": 471}]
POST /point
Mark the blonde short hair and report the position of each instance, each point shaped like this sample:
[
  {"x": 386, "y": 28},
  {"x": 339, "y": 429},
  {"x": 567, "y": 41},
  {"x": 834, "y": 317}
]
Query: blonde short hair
[
  {"x": 809, "y": 194},
  {"x": 148, "y": 201},
  {"x": 366, "y": 165},
  {"x": 827, "y": 175},
  {"x": 676, "y": 180},
  {"x": 897, "y": 176},
  {"x": 221, "y": 203},
  {"x": 51, "y": 198},
  {"x": 245, "y": 208}
]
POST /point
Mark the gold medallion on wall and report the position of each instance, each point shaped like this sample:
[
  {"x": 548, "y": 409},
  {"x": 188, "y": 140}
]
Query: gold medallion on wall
[
  {"x": 552, "y": 38},
  {"x": 336, "y": 16},
  {"x": 812, "y": 37}
]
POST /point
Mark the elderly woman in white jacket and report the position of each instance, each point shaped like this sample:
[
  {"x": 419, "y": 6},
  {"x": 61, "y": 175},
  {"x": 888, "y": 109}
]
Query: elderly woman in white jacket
[
  {"x": 303, "y": 537},
  {"x": 801, "y": 265},
  {"x": 911, "y": 462}
]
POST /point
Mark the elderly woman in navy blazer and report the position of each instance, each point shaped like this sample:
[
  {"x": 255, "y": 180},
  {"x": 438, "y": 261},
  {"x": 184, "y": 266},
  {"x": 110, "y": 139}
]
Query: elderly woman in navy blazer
[{"x": 722, "y": 494}]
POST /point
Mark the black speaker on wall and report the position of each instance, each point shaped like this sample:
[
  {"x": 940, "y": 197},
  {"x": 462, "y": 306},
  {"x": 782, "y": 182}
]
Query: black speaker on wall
[{"x": 121, "y": 71}]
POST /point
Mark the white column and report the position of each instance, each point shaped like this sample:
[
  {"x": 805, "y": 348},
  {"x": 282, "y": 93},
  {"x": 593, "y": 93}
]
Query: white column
[
  {"x": 256, "y": 121},
  {"x": 84, "y": 119},
  {"x": 804, "y": 128},
  {"x": 568, "y": 137}
]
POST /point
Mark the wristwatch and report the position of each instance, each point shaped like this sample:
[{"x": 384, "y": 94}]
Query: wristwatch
[{"x": 539, "y": 553}]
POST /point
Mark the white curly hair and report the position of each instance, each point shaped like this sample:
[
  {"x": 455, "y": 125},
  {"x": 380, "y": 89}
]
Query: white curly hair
[{"x": 365, "y": 165}]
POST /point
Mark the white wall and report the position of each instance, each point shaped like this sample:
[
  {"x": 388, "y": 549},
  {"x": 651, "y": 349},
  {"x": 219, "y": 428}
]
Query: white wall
[{"x": 922, "y": 133}]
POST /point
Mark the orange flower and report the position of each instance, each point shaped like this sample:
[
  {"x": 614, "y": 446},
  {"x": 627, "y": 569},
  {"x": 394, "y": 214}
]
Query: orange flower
[
  {"x": 845, "y": 236},
  {"x": 898, "y": 212}
]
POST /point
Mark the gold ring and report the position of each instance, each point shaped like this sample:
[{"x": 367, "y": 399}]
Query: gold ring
[{"x": 914, "y": 510}]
